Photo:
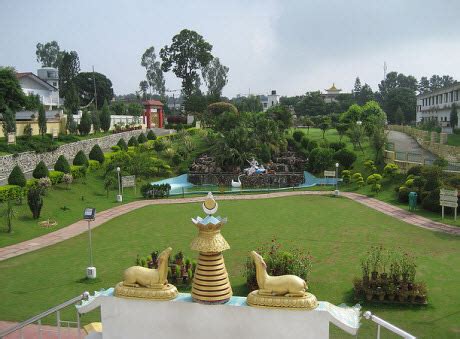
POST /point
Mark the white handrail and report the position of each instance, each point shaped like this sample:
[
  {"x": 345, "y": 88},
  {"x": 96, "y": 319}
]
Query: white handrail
[{"x": 380, "y": 322}]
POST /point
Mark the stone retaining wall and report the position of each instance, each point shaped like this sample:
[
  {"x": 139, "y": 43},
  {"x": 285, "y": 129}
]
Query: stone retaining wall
[{"x": 28, "y": 160}]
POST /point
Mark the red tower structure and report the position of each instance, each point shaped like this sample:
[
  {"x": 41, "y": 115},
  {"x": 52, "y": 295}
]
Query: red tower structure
[{"x": 153, "y": 113}]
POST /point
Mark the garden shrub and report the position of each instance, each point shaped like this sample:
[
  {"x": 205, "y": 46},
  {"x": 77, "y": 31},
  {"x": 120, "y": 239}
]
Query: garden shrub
[
  {"x": 155, "y": 191},
  {"x": 313, "y": 144},
  {"x": 80, "y": 159},
  {"x": 432, "y": 175},
  {"x": 67, "y": 179},
  {"x": 346, "y": 176},
  {"x": 31, "y": 183},
  {"x": 35, "y": 201},
  {"x": 56, "y": 177},
  {"x": 265, "y": 153},
  {"x": 122, "y": 144},
  {"x": 151, "y": 135},
  {"x": 337, "y": 145},
  {"x": 97, "y": 154},
  {"x": 345, "y": 158},
  {"x": 403, "y": 194},
  {"x": 10, "y": 192},
  {"x": 44, "y": 183},
  {"x": 305, "y": 142},
  {"x": 159, "y": 145},
  {"x": 416, "y": 170},
  {"x": 141, "y": 138},
  {"x": 369, "y": 164},
  {"x": 297, "y": 135},
  {"x": 17, "y": 177},
  {"x": 391, "y": 170},
  {"x": 321, "y": 159},
  {"x": 430, "y": 201},
  {"x": 62, "y": 165},
  {"x": 374, "y": 180},
  {"x": 133, "y": 141},
  {"x": 218, "y": 108},
  {"x": 93, "y": 165},
  {"x": 358, "y": 179},
  {"x": 115, "y": 148},
  {"x": 40, "y": 171},
  {"x": 78, "y": 171}
]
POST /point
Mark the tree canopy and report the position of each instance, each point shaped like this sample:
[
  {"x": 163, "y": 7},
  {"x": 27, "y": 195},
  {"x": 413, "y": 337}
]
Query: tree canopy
[
  {"x": 215, "y": 77},
  {"x": 48, "y": 54},
  {"x": 11, "y": 94},
  {"x": 154, "y": 74},
  {"x": 84, "y": 83}
]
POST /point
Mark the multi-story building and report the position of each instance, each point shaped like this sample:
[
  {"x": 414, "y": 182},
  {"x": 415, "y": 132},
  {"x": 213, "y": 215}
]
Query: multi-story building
[
  {"x": 269, "y": 100},
  {"x": 45, "y": 85},
  {"x": 437, "y": 105}
]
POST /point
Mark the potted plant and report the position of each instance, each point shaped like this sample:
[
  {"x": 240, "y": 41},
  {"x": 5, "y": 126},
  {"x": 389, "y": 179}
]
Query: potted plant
[
  {"x": 365, "y": 270},
  {"x": 375, "y": 261},
  {"x": 369, "y": 293},
  {"x": 170, "y": 274},
  {"x": 190, "y": 274},
  {"x": 383, "y": 265},
  {"x": 380, "y": 292},
  {"x": 178, "y": 275},
  {"x": 188, "y": 264},
  {"x": 391, "y": 291},
  {"x": 402, "y": 295},
  {"x": 412, "y": 294},
  {"x": 422, "y": 292},
  {"x": 358, "y": 287},
  {"x": 178, "y": 258}
]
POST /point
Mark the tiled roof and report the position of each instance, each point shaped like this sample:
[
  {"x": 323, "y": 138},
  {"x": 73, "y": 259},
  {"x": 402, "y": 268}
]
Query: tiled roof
[{"x": 153, "y": 103}]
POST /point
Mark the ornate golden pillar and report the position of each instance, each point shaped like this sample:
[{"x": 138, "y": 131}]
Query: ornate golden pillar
[{"x": 210, "y": 281}]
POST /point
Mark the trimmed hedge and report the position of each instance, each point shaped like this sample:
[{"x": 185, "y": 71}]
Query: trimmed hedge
[
  {"x": 40, "y": 171},
  {"x": 80, "y": 159},
  {"x": 10, "y": 192},
  {"x": 122, "y": 144},
  {"x": 133, "y": 141},
  {"x": 56, "y": 177},
  {"x": 141, "y": 138},
  {"x": 97, "y": 154},
  {"x": 62, "y": 165},
  {"x": 94, "y": 165},
  {"x": 151, "y": 135},
  {"x": 17, "y": 177},
  {"x": 78, "y": 171}
]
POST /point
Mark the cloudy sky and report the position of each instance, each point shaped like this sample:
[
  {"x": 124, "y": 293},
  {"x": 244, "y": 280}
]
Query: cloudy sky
[{"x": 290, "y": 46}]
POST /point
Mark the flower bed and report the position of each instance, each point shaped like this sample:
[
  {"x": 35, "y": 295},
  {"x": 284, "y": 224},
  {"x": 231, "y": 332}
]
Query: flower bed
[{"x": 389, "y": 277}]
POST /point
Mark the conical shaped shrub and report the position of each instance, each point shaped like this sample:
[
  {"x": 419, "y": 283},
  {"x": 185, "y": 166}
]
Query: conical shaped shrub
[
  {"x": 17, "y": 177},
  {"x": 41, "y": 171},
  {"x": 151, "y": 135},
  {"x": 97, "y": 154},
  {"x": 62, "y": 165},
  {"x": 122, "y": 144},
  {"x": 81, "y": 159},
  {"x": 133, "y": 141},
  {"x": 141, "y": 138}
]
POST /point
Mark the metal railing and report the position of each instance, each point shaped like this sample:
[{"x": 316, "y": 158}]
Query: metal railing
[
  {"x": 57, "y": 310},
  {"x": 382, "y": 323}
]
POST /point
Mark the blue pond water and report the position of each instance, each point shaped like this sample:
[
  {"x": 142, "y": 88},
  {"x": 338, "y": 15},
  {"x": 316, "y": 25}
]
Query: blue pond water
[{"x": 180, "y": 185}]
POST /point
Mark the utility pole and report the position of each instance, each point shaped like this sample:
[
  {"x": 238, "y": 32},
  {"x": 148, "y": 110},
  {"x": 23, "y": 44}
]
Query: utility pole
[{"x": 95, "y": 92}]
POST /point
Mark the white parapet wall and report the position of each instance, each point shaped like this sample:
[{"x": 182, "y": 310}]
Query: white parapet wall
[{"x": 182, "y": 318}]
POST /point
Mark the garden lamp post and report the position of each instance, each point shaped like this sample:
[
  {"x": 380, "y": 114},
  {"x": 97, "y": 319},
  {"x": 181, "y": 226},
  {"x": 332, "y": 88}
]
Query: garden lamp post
[
  {"x": 119, "y": 196},
  {"x": 90, "y": 215},
  {"x": 336, "y": 179}
]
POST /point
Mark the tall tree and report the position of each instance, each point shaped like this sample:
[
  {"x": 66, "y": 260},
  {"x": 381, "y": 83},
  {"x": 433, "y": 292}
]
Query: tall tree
[
  {"x": 185, "y": 56},
  {"x": 11, "y": 94},
  {"x": 312, "y": 104},
  {"x": 215, "y": 77},
  {"x": 248, "y": 104},
  {"x": 423, "y": 85},
  {"x": 144, "y": 86},
  {"x": 48, "y": 54},
  {"x": 85, "y": 123},
  {"x": 42, "y": 120},
  {"x": 453, "y": 116},
  {"x": 95, "y": 120},
  {"x": 69, "y": 67},
  {"x": 396, "y": 80},
  {"x": 8, "y": 121},
  {"x": 357, "y": 88},
  {"x": 366, "y": 94},
  {"x": 84, "y": 82},
  {"x": 154, "y": 74},
  {"x": 72, "y": 100},
  {"x": 105, "y": 117}
]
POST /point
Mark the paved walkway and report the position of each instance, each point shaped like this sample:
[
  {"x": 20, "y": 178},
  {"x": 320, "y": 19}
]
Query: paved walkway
[
  {"x": 104, "y": 216},
  {"x": 405, "y": 143}
]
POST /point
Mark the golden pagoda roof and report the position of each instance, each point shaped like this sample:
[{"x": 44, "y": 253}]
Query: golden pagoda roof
[{"x": 333, "y": 88}]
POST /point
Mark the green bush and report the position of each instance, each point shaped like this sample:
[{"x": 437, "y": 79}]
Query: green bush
[
  {"x": 35, "y": 201},
  {"x": 265, "y": 153},
  {"x": 346, "y": 176},
  {"x": 97, "y": 154},
  {"x": 345, "y": 158},
  {"x": 93, "y": 165},
  {"x": 151, "y": 135},
  {"x": 133, "y": 141},
  {"x": 17, "y": 177},
  {"x": 430, "y": 201},
  {"x": 115, "y": 148},
  {"x": 218, "y": 108},
  {"x": 321, "y": 159},
  {"x": 56, "y": 177},
  {"x": 40, "y": 171},
  {"x": 313, "y": 144},
  {"x": 159, "y": 145},
  {"x": 141, "y": 138},
  {"x": 297, "y": 135},
  {"x": 122, "y": 144},
  {"x": 391, "y": 170},
  {"x": 305, "y": 142},
  {"x": 80, "y": 159},
  {"x": 78, "y": 171},
  {"x": 337, "y": 145},
  {"x": 31, "y": 183},
  {"x": 10, "y": 192},
  {"x": 403, "y": 194},
  {"x": 155, "y": 191},
  {"x": 416, "y": 170},
  {"x": 62, "y": 165}
]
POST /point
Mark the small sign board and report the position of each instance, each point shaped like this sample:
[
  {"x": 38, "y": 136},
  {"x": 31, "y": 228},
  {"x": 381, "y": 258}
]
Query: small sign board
[
  {"x": 11, "y": 138},
  {"x": 448, "y": 198},
  {"x": 128, "y": 181},
  {"x": 330, "y": 174},
  {"x": 89, "y": 213}
]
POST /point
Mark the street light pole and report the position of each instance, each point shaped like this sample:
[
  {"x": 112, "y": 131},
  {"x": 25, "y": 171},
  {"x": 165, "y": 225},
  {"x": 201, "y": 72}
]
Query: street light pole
[
  {"x": 90, "y": 245},
  {"x": 89, "y": 215},
  {"x": 119, "y": 196},
  {"x": 337, "y": 179}
]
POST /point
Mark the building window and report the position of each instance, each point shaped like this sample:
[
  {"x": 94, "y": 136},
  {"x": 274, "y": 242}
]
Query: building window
[
  {"x": 456, "y": 95},
  {"x": 437, "y": 99},
  {"x": 440, "y": 98}
]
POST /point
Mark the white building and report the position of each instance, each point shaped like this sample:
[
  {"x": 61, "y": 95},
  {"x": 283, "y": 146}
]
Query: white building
[
  {"x": 437, "y": 105},
  {"x": 45, "y": 85},
  {"x": 269, "y": 100}
]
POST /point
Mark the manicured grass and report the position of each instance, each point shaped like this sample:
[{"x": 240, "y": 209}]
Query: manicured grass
[
  {"x": 336, "y": 231},
  {"x": 64, "y": 205},
  {"x": 453, "y": 139}
]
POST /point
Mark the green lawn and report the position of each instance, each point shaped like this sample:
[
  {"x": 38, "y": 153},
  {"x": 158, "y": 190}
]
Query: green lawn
[
  {"x": 453, "y": 139},
  {"x": 336, "y": 231}
]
